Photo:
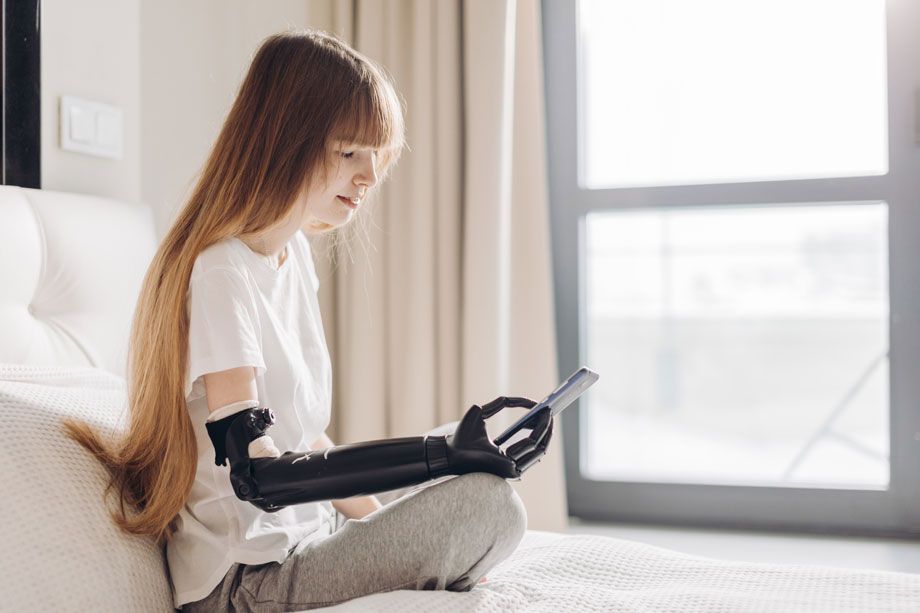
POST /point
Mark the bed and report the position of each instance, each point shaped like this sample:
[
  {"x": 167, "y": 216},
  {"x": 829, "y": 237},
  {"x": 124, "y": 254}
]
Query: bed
[{"x": 72, "y": 266}]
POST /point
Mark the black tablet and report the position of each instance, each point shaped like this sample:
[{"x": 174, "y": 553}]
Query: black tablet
[{"x": 561, "y": 397}]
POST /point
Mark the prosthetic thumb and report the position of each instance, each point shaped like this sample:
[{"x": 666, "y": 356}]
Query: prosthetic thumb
[{"x": 472, "y": 426}]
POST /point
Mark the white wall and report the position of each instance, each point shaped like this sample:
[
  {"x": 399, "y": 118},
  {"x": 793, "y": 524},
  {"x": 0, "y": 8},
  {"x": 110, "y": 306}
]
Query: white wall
[
  {"x": 172, "y": 66},
  {"x": 91, "y": 49}
]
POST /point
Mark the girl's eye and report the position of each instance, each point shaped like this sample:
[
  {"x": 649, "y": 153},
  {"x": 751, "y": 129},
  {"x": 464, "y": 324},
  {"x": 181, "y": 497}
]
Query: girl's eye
[{"x": 348, "y": 154}]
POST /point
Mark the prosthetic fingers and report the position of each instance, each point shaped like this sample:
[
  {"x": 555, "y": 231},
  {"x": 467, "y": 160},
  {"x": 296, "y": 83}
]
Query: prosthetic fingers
[{"x": 271, "y": 480}]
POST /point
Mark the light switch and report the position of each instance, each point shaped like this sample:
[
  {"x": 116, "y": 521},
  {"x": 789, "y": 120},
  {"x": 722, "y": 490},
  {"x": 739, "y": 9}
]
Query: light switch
[
  {"x": 82, "y": 125},
  {"x": 108, "y": 128},
  {"x": 91, "y": 127}
]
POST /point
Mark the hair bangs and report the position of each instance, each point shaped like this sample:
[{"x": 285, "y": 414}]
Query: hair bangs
[{"x": 373, "y": 118}]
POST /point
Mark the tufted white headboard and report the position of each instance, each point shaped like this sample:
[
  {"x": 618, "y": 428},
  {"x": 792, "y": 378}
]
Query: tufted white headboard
[{"x": 71, "y": 267}]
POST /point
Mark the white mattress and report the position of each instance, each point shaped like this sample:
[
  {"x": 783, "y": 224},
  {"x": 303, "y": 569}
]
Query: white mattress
[{"x": 557, "y": 572}]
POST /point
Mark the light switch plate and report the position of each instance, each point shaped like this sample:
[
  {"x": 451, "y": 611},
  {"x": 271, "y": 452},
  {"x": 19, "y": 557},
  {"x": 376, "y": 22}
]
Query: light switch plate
[{"x": 91, "y": 127}]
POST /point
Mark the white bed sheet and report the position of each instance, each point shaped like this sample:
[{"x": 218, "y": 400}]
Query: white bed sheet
[{"x": 557, "y": 572}]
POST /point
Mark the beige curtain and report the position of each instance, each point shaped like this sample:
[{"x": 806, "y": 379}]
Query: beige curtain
[{"x": 442, "y": 295}]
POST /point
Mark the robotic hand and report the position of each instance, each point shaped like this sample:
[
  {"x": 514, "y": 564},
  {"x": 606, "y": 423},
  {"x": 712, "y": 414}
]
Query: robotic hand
[
  {"x": 472, "y": 451},
  {"x": 342, "y": 471}
]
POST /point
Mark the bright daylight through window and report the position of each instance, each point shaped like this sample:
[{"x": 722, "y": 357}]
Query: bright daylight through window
[
  {"x": 713, "y": 91},
  {"x": 756, "y": 340}
]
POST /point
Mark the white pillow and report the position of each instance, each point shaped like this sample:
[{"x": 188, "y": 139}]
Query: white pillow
[{"x": 61, "y": 551}]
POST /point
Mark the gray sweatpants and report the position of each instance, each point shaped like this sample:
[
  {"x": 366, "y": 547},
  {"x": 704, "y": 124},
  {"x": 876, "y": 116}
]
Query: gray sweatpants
[{"x": 444, "y": 534}]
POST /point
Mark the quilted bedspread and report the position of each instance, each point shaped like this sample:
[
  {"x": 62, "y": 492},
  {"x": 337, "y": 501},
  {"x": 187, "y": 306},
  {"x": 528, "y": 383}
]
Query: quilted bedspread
[{"x": 558, "y": 572}]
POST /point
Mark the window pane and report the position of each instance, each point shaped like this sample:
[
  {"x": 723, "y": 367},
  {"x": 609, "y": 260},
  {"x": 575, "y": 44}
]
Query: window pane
[
  {"x": 711, "y": 91},
  {"x": 742, "y": 345}
]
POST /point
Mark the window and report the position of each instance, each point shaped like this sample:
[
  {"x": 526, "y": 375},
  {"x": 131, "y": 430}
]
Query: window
[
  {"x": 727, "y": 179},
  {"x": 719, "y": 91},
  {"x": 756, "y": 342}
]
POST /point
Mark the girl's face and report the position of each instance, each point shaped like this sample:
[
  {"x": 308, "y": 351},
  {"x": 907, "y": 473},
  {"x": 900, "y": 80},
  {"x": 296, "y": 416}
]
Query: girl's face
[{"x": 353, "y": 173}]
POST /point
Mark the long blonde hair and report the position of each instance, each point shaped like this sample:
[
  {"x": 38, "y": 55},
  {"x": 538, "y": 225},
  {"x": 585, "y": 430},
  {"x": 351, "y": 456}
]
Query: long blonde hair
[{"x": 303, "y": 89}]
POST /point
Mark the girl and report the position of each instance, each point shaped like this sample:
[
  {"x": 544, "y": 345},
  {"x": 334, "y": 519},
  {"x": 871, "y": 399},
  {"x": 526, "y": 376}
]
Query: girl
[{"x": 228, "y": 319}]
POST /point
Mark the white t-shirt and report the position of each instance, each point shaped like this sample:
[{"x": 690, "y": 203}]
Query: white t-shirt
[{"x": 245, "y": 310}]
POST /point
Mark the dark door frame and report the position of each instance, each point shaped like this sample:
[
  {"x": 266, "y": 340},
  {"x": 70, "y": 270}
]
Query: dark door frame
[{"x": 20, "y": 95}]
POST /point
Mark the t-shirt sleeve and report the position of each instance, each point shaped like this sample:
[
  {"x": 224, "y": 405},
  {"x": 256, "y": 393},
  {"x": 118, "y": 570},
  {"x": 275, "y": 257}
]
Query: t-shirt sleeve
[{"x": 224, "y": 330}]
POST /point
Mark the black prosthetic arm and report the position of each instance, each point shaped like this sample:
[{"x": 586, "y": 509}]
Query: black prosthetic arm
[
  {"x": 349, "y": 470},
  {"x": 342, "y": 471}
]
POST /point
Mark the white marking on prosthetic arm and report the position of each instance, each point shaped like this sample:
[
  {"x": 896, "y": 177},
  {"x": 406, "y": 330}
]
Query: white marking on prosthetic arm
[
  {"x": 305, "y": 456},
  {"x": 262, "y": 447}
]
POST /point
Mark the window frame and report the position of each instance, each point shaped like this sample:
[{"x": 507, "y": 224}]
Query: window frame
[{"x": 894, "y": 511}]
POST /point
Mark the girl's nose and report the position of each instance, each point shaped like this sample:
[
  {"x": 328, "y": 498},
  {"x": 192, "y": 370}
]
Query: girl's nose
[{"x": 368, "y": 174}]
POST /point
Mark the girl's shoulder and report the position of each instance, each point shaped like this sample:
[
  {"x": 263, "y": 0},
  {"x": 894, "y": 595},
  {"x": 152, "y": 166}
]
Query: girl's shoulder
[{"x": 222, "y": 254}]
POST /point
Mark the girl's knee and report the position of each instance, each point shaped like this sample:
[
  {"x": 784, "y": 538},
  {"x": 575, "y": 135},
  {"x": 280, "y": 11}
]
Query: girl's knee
[{"x": 494, "y": 502}]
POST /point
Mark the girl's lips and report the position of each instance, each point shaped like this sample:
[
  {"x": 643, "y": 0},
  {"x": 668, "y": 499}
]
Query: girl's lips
[{"x": 347, "y": 202}]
